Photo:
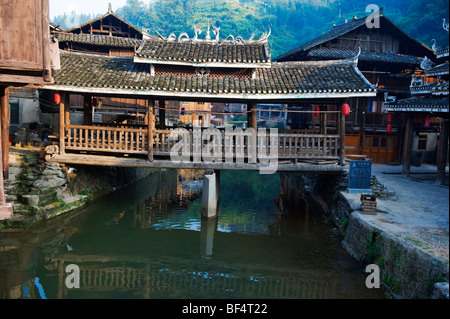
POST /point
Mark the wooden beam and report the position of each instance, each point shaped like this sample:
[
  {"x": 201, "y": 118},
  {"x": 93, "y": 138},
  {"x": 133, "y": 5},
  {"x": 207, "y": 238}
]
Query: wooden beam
[
  {"x": 5, "y": 121},
  {"x": 26, "y": 79},
  {"x": 442, "y": 150}
]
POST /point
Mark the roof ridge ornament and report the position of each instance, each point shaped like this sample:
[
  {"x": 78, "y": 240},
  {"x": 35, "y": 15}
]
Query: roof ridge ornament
[
  {"x": 445, "y": 25},
  {"x": 426, "y": 64},
  {"x": 216, "y": 31}
]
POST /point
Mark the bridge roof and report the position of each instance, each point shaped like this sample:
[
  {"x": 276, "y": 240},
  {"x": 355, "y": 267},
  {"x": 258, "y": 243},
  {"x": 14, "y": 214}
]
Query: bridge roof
[
  {"x": 97, "y": 74},
  {"x": 205, "y": 53}
]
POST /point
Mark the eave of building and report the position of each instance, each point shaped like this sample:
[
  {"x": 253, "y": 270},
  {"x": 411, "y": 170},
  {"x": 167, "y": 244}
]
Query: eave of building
[
  {"x": 203, "y": 64},
  {"x": 195, "y": 95}
]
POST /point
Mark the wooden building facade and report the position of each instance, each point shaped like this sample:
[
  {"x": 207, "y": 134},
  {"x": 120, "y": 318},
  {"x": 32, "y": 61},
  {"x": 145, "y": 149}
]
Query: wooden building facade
[
  {"x": 25, "y": 60},
  {"x": 387, "y": 57},
  {"x": 426, "y": 115}
]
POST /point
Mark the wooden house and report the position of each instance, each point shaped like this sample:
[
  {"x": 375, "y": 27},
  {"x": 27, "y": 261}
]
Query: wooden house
[
  {"x": 387, "y": 57},
  {"x": 25, "y": 60},
  {"x": 426, "y": 115}
]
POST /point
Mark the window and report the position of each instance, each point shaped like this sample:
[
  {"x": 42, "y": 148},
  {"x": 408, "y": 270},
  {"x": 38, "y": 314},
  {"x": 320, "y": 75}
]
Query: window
[
  {"x": 422, "y": 146},
  {"x": 375, "y": 142},
  {"x": 14, "y": 113}
]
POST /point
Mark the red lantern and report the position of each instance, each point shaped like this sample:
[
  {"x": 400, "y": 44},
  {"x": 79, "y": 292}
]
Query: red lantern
[
  {"x": 94, "y": 102},
  {"x": 57, "y": 98},
  {"x": 427, "y": 121},
  {"x": 389, "y": 128},
  {"x": 345, "y": 109},
  {"x": 390, "y": 117},
  {"x": 316, "y": 111}
]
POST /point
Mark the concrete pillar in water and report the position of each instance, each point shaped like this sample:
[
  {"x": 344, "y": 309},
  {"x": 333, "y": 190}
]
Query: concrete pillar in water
[{"x": 210, "y": 194}]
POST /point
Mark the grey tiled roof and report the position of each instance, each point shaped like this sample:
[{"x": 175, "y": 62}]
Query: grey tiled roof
[
  {"x": 84, "y": 72},
  {"x": 419, "y": 104},
  {"x": 331, "y": 53},
  {"x": 345, "y": 28},
  {"x": 440, "y": 69},
  {"x": 100, "y": 40},
  {"x": 161, "y": 51}
]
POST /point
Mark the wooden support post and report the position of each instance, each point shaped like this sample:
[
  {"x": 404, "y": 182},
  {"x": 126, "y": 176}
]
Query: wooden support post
[
  {"x": 252, "y": 116},
  {"x": 252, "y": 122},
  {"x": 407, "y": 147},
  {"x": 442, "y": 150},
  {"x": 323, "y": 121},
  {"x": 6, "y": 211},
  {"x": 162, "y": 114},
  {"x": 62, "y": 129},
  {"x": 151, "y": 129},
  {"x": 341, "y": 139},
  {"x": 87, "y": 110},
  {"x": 5, "y": 118}
]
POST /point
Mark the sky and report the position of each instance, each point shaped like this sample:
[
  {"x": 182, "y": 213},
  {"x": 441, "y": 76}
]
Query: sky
[{"x": 59, "y": 7}]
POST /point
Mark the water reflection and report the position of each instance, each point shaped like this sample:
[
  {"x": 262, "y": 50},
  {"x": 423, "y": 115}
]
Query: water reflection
[{"x": 149, "y": 241}]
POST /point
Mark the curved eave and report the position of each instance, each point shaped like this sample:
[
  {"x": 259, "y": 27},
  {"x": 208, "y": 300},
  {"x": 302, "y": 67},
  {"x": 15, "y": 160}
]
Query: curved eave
[{"x": 206, "y": 95}]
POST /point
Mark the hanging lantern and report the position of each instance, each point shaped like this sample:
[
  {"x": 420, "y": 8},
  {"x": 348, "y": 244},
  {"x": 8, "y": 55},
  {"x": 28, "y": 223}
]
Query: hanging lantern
[
  {"x": 427, "y": 121},
  {"x": 57, "y": 98},
  {"x": 390, "y": 117},
  {"x": 345, "y": 109},
  {"x": 94, "y": 102},
  {"x": 389, "y": 128},
  {"x": 316, "y": 111}
]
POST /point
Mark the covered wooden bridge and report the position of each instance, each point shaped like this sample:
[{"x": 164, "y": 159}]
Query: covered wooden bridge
[{"x": 199, "y": 70}]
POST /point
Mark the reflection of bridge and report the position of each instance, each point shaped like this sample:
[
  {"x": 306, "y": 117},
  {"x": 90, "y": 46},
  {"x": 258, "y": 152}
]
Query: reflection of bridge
[{"x": 147, "y": 280}]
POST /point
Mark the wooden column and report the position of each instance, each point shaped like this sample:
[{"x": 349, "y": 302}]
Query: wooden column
[
  {"x": 87, "y": 110},
  {"x": 62, "y": 133},
  {"x": 5, "y": 121},
  {"x": 407, "y": 147},
  {"x": 252, "y": 116},
  {"x": 162, "y": 114},
  {"x": 341, "y": 139},
  {"x": 6, "y": 211},
  {"x": 442, "y": 152},
  {"x": 151, "y": 129},
  {"x": 323, "y": 120}
]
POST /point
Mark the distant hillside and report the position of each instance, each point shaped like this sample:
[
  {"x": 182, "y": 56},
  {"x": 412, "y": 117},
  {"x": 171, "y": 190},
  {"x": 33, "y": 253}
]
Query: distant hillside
[{"x": 292, "y": 22}]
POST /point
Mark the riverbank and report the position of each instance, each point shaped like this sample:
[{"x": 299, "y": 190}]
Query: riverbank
[
  {"x": 408, "y": 237},
  {"x": 39, "y": 190}
]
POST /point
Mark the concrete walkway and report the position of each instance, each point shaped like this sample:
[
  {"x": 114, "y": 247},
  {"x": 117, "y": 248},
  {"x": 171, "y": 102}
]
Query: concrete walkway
[{"x": 419, "y": 211}]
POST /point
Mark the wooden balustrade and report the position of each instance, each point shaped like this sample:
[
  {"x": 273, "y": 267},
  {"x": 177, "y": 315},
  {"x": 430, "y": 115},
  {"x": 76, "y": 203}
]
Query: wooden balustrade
[
  {"x": 237, "y": 145},
  {"x": 106, "y": 139}
]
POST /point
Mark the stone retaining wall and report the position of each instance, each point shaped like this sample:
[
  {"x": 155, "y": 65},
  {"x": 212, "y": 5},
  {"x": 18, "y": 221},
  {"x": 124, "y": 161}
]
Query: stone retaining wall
[{"x": 405, "y": 271}]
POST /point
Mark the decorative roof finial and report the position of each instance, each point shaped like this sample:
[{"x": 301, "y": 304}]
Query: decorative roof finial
[
  {"x": 208, "y": 33},
  {"x": 109, "y": 8}
]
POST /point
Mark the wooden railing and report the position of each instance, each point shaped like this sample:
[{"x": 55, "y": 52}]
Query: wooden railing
[
  {"x": 106, "y": 139},
  {"x": 237, "y": 145},
  {"x": 289, "y": 146}
]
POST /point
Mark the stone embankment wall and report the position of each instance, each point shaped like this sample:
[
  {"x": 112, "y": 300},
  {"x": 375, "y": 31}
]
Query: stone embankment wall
[
  {"x": 405, "y": 270},
  {"x": 39, "y": 190}
]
